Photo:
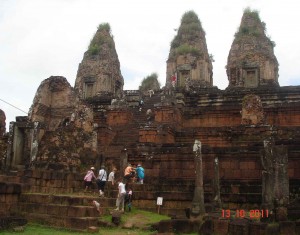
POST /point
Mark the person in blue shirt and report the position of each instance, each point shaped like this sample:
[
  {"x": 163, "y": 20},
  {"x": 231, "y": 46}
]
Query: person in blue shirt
[{"x": 140, "y": 173}]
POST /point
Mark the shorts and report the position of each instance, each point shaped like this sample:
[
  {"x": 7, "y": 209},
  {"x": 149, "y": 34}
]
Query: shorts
[{"x": 87, "y": 183}]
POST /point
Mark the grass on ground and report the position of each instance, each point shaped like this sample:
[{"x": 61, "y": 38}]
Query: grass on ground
[{"x": 139, "y": 218}]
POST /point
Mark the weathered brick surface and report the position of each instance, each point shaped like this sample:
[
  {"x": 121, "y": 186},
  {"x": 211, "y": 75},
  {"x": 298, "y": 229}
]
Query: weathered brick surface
[
  {"x": 287, "y": 227},
  {"x": 9, "y": 198},
  {"x": 221, "y": 226}
]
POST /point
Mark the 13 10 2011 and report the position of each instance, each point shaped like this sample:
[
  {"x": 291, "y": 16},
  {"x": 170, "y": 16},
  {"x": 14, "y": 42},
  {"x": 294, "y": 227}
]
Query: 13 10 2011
[{"x": 243, "y": 213}]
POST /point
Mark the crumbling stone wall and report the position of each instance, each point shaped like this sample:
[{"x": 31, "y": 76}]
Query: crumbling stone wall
[
  {"x": 71, "y": 145},
  {"x": 53, "y": 103},
  {"x": 9, "y": 196},
  {"x": 62, "y": 135}
]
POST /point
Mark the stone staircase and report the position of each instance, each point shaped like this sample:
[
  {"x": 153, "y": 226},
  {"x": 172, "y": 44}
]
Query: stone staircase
[
  {"x": 67, "y": 211},
  {"x": 129, "y": 136},
  {"x": 52, "y": 198},
  {"x": 73, "y": 208}
]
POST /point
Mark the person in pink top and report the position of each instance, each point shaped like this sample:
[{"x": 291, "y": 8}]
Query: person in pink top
[{"x": 88, "y": 178}]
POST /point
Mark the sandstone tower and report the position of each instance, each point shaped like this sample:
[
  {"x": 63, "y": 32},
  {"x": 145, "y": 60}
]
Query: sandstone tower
[
  {"x": 99, "y": 72},
  {"x": 251, "y": 61},
  {"x": 54, "y": 101},
  {"x": 189, "y": 60},
  {"x": 2, "y": 123}
]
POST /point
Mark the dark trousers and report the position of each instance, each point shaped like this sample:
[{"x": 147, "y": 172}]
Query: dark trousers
[{"x": 101, "y": 185}]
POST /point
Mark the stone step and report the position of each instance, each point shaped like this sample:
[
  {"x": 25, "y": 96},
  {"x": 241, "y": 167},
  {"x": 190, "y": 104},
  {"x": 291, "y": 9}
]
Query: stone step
[
  {"x": 10, "y": 178},
  {"x": 58, "y": 210},
  {"x": 65, "y": 200},
  {"x": 74, "y": 223}
]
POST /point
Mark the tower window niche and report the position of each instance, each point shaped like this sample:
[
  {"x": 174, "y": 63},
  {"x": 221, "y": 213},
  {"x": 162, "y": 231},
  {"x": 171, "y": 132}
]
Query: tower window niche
[
  {"x": 184, "y": 74},
  {"x": 251, "y": 77},
  {"x": 88, "y": 89}
]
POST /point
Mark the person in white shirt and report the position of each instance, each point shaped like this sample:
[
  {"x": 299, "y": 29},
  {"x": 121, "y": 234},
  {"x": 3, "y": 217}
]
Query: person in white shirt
[
  {"x": 121, "y": 195},
  {"x": 101, "y": 181},
  {"x": 111, "y": 176}
]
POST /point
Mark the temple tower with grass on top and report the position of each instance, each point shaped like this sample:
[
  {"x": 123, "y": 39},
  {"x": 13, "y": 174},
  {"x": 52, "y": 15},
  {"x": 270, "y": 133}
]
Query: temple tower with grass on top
[
  {"x": 99, "y": 71},
  {"x": 251, "y": 61},
  {"x": 189, "y": 63}
]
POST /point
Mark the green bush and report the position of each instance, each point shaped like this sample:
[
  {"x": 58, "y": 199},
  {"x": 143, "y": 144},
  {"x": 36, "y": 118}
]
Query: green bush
[
  {"x": 94, "y": 49},
  {"x": 175, "y": 42},
  {"x": 190, "y": 17},
  {"x": 104, "y": 26},
  {"x": 190, "y": 30},
  {"x": 100, "y": 39},
  {"x": 150, "y": 83},
  {"x": 187, "y": 49},
  {"x": 254, "y": 13},
  {"x": 252, "y": 31}
]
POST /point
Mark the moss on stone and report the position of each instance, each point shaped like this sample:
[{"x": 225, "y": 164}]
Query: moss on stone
[
  {"x": 189, "y": 32},
  {"x": 102, "y": 37}
]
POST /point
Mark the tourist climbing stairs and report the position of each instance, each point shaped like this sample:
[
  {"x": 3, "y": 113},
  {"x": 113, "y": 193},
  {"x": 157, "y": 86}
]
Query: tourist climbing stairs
[{"x": 53, "y": 198}]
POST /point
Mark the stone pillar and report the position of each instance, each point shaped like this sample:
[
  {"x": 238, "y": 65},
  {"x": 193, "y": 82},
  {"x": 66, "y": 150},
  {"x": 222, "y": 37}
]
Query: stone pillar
[
  {"x": 198, "y": 208},
  {"x": 275, "y": 181},
  {"x": 9, "y": 154},
  {"x": 123, "y": 161},
  {"x": 95, "y": 141},
  {"x": 216, "y": 189},
  {"x": 34, "y": 142}
]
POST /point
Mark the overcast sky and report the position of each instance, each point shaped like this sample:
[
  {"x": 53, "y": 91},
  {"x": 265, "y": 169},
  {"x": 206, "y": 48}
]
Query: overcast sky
[{"x": 41, "y": 38}]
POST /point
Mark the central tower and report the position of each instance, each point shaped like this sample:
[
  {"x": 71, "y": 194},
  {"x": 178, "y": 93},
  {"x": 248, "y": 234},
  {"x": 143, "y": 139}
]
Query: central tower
[
  {"x": 99, "y": 72},
  {"x": 189, "y": 62}
]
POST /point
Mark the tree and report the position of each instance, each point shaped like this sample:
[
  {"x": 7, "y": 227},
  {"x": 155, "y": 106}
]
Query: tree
[{"x": 150, "y": 83}]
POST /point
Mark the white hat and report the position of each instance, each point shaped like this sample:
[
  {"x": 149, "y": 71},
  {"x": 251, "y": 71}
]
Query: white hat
[{"x": 92, "y": 168}]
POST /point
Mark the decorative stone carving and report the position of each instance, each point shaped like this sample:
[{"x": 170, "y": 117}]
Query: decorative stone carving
[{"x": 252, "y": 110}]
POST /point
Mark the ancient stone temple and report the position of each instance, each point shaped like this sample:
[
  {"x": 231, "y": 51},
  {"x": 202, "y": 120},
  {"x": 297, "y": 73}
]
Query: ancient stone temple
[
  {"x": 249, "y": 134},
  {"x": 99, "y": 72},
  {"x": 189, "y": 62},
  {"x": 251, "y": 60}
]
